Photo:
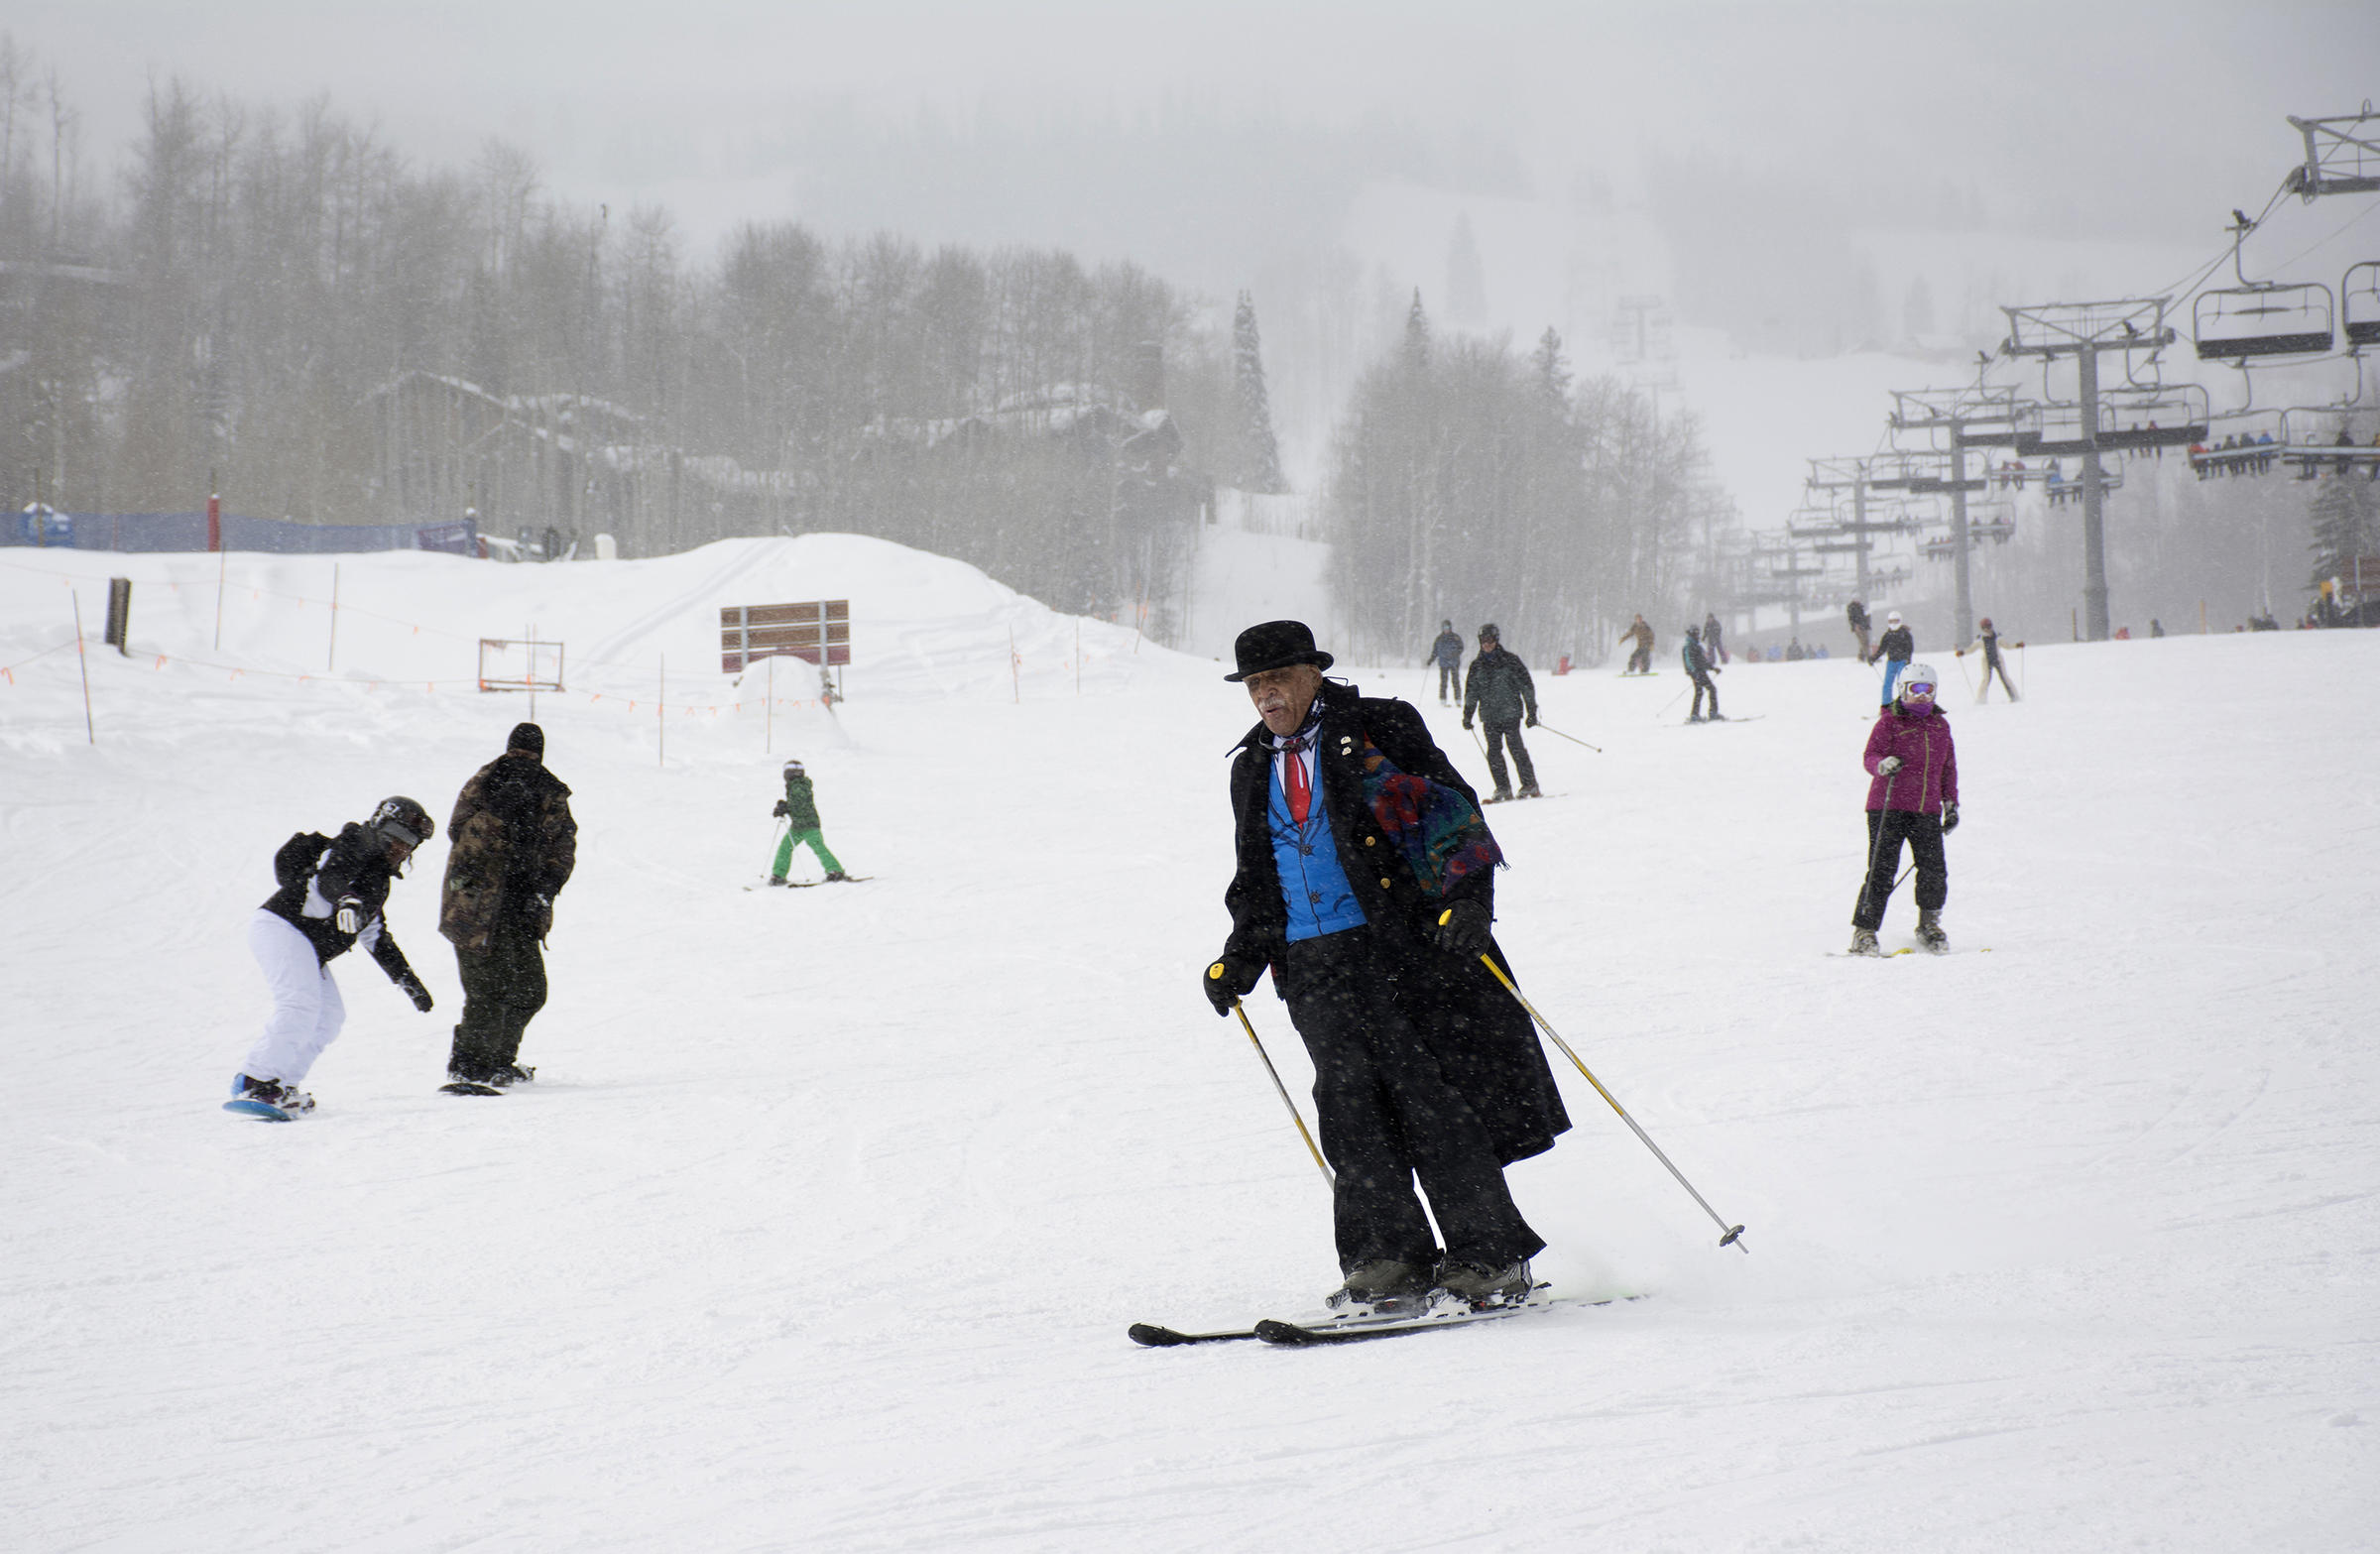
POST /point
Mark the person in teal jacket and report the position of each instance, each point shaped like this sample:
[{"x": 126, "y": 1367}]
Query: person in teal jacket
[{"x": 800, "y": 809}]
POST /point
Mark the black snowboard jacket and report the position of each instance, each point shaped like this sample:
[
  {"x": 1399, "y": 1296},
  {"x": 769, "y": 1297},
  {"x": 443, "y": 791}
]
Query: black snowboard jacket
[
  {"x": 1481, "y": 1035},
  {"x": 355, "y": 863},
  {"x": 1498, "y": 686}
]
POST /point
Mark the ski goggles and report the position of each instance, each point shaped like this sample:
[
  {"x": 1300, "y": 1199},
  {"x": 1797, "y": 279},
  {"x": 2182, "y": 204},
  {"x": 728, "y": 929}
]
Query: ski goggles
[{"x": 1917, "y": 690}]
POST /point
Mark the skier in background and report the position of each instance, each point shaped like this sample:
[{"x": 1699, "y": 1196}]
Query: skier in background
[
  {"x": 330, "y": 898},
  {"x": 1641, "y": 660},
  {"x": 1896, "y": 647},
  {"x": 1712, "y": 643},
  {"x": 1699, "y": 670},
  {"x": 512, "y": 845},
  {"x": 1447, "y": 653},
  {"x": 1856, "y": 614},
  {"x": 1914, "y": 797},
  {"x": 1497, "y": 687},
  {"x": 799, "y": 810},
  {"x": 1989, "y": 642}
]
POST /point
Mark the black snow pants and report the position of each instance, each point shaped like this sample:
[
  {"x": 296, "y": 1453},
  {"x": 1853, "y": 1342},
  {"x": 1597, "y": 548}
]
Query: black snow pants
[
  {"x": 1886, "y": 828},
  {"x": 1500, "y": 734},
  {"x": 1388, "y": 1113},
  {"x": 504, "y": 986},
  {"x": 1449, "y": 681},
  {"x": 1703, "y": 686}
]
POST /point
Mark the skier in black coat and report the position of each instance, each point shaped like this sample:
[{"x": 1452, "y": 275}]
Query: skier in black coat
[
  {"x": 332, "y": 892},
  {"x": 1699, "y": 670},
  {"x": 1895, "y": 647},
  {"x": 1424, "y": 1066},
  {"x": 1499, "y": 689}
]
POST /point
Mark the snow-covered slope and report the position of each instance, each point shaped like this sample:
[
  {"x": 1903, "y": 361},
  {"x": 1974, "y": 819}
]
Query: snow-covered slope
[{"x": 822, "y": 1224}]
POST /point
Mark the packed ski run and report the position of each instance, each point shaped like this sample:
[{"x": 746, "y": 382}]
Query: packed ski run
[{"x": 824, "y": 1215}]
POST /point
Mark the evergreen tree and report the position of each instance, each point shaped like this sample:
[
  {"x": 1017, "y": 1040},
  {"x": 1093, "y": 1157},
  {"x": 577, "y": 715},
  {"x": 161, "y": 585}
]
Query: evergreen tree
[
  {"x": 1417, "y": 337},
  {"x": 2346, "y": 526},
  {"x": 1258, "y": 467}
]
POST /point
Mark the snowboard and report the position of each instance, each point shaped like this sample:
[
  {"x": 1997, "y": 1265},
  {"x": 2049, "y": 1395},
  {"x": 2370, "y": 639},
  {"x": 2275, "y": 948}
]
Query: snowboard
[
  {"x": 262, "y": 1111},
  {"x": 465, "y": 1087}
]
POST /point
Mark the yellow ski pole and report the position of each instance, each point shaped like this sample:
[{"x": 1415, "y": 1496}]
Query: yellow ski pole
[
  {"x": 1267, "y": 1058},
  {"x": 1735, "y": 1233}
]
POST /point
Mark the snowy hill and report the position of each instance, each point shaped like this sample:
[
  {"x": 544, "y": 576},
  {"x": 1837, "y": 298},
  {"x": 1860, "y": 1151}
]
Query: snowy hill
[{"x": 822, "y": 1224}]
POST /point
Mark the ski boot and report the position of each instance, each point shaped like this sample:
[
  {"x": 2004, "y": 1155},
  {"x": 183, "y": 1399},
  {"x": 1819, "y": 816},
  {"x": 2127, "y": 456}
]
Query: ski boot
[
  {"x": 272, "y": 1092},
  {"x": 1503, "y": 795},
  {"x": 1379, "y": 1288},
  {"x": 832, "y": 875},
  {"x": 1531, "y": 790},
  {"x": 509, "y": 1074},
  {"x": 1929, "y": 931},
  {"x": 776, "y": 879},
  {"x": 1479, "y": 1286},
  {"x": 1863, "y": 942}
]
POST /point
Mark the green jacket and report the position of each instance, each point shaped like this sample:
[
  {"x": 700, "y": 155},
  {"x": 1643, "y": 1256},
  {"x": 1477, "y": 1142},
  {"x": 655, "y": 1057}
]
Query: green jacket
[{"x": 802, "y": 807}]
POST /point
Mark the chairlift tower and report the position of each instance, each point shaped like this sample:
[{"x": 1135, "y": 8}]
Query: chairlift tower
[
  {"x": 1791, "y": 574},
  {"x": 2343, "y": 156},
  {"x": 1973, "y": 418},
  {"x": 2082, "y": 331},
  {"x": 1858, "y": 476}
]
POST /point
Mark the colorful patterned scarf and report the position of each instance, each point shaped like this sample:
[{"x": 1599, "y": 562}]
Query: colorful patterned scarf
[{"x": 1441, "y": 833}]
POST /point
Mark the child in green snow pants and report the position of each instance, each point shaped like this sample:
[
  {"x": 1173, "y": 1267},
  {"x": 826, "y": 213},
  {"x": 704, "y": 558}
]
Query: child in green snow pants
[{"x": 817, "y": 844}]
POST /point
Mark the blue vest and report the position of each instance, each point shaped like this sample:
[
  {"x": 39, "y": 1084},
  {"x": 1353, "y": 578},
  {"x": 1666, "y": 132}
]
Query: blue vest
[{"x": 1314, "y": 887}]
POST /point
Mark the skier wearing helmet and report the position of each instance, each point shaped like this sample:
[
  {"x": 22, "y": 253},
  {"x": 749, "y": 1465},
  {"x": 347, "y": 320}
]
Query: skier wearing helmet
[
  {"x": 1896, "y": 647},
  {"x": 1914, "y": 797},
  {"x": 800, "y": 809},
  {"x": 331, "y": 894}
]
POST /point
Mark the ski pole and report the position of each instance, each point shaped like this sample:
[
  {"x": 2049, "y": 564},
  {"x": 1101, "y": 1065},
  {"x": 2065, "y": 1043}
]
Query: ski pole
[
  {"x": 1673, "y": 701},
  {"x": 1558, "y": 734},
  {"x": 1735, "y": 1233},
  {"x": 1267, "y": 1058}
]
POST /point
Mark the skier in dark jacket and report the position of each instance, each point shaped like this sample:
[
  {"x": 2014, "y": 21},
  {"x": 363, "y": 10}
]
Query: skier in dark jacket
[
  {"x": 1447, "y": 653},
  {"x": 1914, "y": 797},
  {"x": 1640, "y": 661},
  {"x": 1855, "y": 614},
  {"x": 1896, "y": 647},
  {"x": 1698, "y": 669},
  {"x": 1499, "y": 689},
  {"x": 1714, "y": 644},
  {"x": 1989, "y": 642},
  {"x": 331, "y": 895},
  {"x": 1366, "y": 880},
  {"x": 799, "y": 810},
  {"x": 512, "y": 845}
]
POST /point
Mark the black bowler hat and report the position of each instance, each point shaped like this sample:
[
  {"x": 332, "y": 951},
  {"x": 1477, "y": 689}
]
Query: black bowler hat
[{"x": 1276, "y": 645}]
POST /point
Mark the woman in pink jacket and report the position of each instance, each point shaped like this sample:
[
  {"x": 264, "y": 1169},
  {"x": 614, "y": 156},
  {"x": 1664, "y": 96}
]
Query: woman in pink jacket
[{"x": 1914, "y": 798}]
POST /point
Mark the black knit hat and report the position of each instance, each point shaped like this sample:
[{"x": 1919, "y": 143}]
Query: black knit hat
[
  {"x": 528, "y": 737},
  {"x": 1276, "y": 645}
]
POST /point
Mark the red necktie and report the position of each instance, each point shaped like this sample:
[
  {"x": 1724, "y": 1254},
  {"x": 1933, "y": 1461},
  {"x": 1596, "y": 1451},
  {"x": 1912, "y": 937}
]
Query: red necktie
[{"x": 1294, "y": 782}]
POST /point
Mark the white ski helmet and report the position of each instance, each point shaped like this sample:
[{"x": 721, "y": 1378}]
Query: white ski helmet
[
  {"x": 1892, "y": 617},
  {"x": 1919, "y": 674}
]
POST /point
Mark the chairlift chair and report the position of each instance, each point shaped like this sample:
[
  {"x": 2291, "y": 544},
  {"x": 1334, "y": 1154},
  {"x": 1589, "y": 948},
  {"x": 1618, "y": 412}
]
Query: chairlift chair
[
  {"x": 2276, "y": 318},
  {"x": 2359, "y": 304}
]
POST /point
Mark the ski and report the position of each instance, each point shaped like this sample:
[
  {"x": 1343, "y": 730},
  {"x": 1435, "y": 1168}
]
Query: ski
[
  {"x": 1291, "y": 1335},
  {"x": 805, "y": 885},
  {"x": 1150, "y": 1336},
  {"x": 262, "y": 1111},
  {"x": 465, "y": 1087}
]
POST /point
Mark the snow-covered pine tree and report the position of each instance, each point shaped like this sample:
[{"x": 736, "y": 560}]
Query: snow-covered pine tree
[
  {"x": 1417, "y": 335},
  {"x": 1257, "y": 465},
  {"x": 2345, "y": 516}
]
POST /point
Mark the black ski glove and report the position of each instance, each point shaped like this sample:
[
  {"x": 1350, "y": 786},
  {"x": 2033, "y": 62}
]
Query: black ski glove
[
  {"x": 349, "y": 918},
  {"x": 1532, "y": 720},
  {"x": 1467, "y": 720},
  {"x": 1950, "y": 819},
  {"x": 411, "y": 987},
  {"x": 1229, "y": 980},
  {"x": 778, "y": 813},
  {"x": 1462, "y": 928}
]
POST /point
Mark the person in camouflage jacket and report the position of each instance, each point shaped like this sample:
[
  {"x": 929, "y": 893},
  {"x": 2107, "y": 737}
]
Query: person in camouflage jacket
[{"x": 512, "y": 845}]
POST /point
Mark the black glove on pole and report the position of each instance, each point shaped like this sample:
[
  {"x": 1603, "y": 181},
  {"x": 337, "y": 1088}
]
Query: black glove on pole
[{"x": 1462, "y": 928}]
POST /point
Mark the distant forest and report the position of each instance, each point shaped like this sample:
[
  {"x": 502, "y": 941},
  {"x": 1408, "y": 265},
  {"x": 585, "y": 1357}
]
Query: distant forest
[{"x": 284, "y": 308}]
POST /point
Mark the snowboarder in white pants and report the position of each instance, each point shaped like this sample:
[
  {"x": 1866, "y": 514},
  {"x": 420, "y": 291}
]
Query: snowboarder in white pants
[{"x": 331, "y": 894}]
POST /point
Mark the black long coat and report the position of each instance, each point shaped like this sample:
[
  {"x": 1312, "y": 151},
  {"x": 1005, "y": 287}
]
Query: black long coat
[{"x": 1482, "y": 1037}]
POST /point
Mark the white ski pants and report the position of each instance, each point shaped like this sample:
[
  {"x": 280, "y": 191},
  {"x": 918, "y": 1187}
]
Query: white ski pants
[{"x": 306, "y": 1012}]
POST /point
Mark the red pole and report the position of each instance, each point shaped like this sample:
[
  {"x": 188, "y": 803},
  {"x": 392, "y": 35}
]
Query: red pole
[{"x": 214, "y": 521}]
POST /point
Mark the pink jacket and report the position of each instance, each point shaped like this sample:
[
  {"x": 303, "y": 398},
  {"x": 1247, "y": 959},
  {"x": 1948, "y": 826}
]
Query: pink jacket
[{"x": 1928, "y": 776}]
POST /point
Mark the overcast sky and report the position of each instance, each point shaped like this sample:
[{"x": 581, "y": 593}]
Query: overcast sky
[{"x": 2137, "y": 119}]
